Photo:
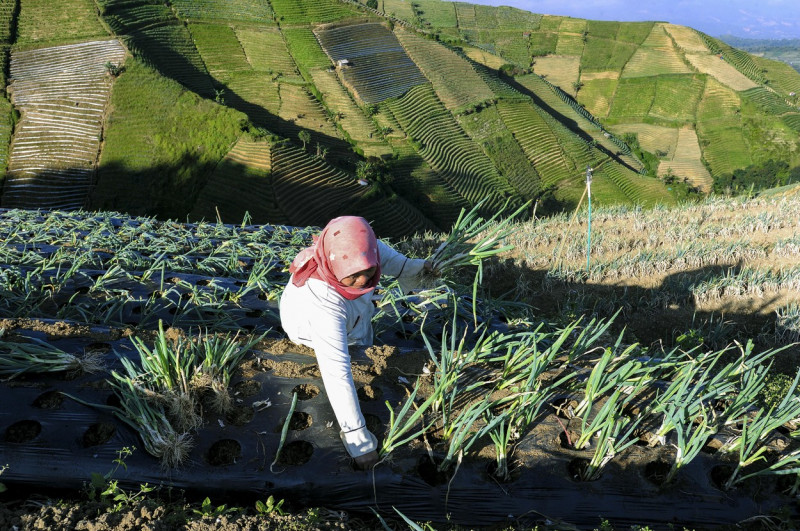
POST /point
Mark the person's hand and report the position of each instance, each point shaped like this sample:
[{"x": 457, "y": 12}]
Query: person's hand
[
  {"x": 427, "y": 269},
  {"x": 366, "y": 461}
]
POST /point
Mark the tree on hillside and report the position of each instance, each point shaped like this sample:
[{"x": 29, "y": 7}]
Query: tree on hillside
[{"x": 305, "y": 138}]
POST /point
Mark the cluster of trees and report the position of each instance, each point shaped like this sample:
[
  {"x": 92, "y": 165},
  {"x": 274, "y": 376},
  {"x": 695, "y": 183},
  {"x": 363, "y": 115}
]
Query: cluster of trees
[{"x": 769, "y": 174}]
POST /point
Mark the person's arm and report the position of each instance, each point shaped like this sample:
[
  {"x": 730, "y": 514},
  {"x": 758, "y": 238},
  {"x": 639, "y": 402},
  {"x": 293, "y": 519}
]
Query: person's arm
[
  {"x": 328, "y": 315},
  {"x": 406, "y": 270}
]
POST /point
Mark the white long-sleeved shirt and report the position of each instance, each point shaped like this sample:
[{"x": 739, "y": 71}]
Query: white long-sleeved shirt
[{"x": 317, "y": 316}]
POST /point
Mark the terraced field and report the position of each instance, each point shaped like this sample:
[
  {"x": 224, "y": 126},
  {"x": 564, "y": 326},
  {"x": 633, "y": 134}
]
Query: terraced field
[
  {"x": 560, "y": 70},
  {"x": 455, "y": 81},
  {"x": 241, "y": 184},
  {"x": 720, "y": 70},
  {"x": 652, "y": 138},
  {"x": 633, "y": 99},
  {"x": 220, "y": 50},
  {"x": 448, "y": 150},
  {"x": 310, "y": 11},
  {"x": 238, "y": 10},
  {"x": 266, "y": 51},
  {"x": 348, "y": 115},
  {"x": 725, "y": 147},
  {"x": 378, "y": 68},
  {"x": 62, "y": 94},
  {"x": 43, "y": 22},
  {"x": 676, "y": 97},
  {"x": 657, "y": 55},
  {"x": 687, "y": 163}
]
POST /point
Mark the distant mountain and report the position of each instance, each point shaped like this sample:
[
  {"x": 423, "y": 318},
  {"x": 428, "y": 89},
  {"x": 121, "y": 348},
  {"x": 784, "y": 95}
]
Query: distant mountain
[{"x": 294, "y": 111}]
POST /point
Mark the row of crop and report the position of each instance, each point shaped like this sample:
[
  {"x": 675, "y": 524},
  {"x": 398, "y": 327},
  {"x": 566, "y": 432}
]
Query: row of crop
[
  {"x": 238, "y": 10},
  {"x": 356, "y": 40},
  {"x": 683, "y": 398},
  {"x": 447, "y": 148},
  {"x": 134, "y": 17}
]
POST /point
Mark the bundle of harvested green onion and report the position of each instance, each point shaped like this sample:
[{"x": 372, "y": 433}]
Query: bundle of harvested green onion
[
  {"x": 473, "y": 239},
  {"x": 39, "y": 356}
]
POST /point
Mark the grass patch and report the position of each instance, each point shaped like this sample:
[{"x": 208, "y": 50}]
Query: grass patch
[{"x": 163, "y": 138}]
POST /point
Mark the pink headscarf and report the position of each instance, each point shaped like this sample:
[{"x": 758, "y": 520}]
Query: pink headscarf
[{"x": 345, "y": 246}]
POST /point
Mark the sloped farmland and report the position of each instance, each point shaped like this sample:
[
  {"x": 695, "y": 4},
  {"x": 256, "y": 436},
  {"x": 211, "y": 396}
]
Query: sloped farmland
[{"x": 62, "y": 94}]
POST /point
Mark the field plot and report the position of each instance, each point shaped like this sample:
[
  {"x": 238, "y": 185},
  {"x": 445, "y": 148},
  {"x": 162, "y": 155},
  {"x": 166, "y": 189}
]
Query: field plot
[
  {"x": 170, "y": 50},
  {"x": 254, "y": 94},
  {"x": 399, "y": 8},
  {"x": 597, "y": 94},
  {"x": 657, "y": 55},
  {"x": 538, "y": 141},
  {"x": 166, "y": 158},
  {"x": 652, "y": 138},
  {"x": 783, "y": 78},
  {"x": 602, "y": 55},
  {"x": 447, "y": 148},
  {"x": 437, "y": 14},
  {"x": 456, "y": 83},
  {"x": 483, "y": 57},
  {"x": 720, "y": 70},
  {"x": 241, "y": 184},
  {"x": 633, "y": 98},
  {"x": 378, "y": 68},
  {"x": 560, "y": 70},
  {"x": 677, "y": 96},
  {"x": 62, "y": 94},
  {"x": 43, "y": 21},
  {"x": 687, "y": 163},
  {"x": 128, "y": 17},
  {"x": 634, "y": 32},
  {"x": 348, "y": 115},
  {"x": 304, "y": 48},
  {"x": 719, "y": 129},
  {"x": 570, "y": 37},
  {"x": 542, "y": 43},
  {"x": 510, "y": 44},
  {"x": 219, "y": 49},
  {"x": 238, "y": 10},
  {"x": 767, "y": 100},
  {"x": 311, "y": 11},
  {"x": 300, "y": 110},
  {"x": 266, "y": 51},
  {"x": 687, "y": 39},
  {"x": 300, "y": 179}
]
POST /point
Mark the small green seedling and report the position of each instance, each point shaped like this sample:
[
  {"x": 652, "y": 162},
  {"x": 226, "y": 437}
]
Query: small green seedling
[
  {"x": 270, "y": 507},
  {"x": 208, "y": 509}
]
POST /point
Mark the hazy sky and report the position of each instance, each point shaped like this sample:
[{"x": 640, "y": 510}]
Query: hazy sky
[{"x": 758, "y": 19}]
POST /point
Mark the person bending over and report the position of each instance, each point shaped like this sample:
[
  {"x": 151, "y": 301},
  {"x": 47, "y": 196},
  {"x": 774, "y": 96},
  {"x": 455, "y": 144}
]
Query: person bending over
[{"x": 327, "y": 306}]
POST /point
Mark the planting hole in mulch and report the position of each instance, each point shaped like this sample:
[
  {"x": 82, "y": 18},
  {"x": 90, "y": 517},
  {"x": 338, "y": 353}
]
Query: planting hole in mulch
[
  {"x": 720, "y": 474},
  {"x": 306, "y": 391},
  {"x": 300, "y": 421},
  {"x": 137, "y": 310},
  {"x": 429, "y": 471},
  {"x": 576, "y": 469},
  {"x": 246, "y": 388},
  {"x": 374, "y": 424},
  {"x": 514, "y": 473},
  {"x": 97, "y": 346},
  {"x": 656, "y": 472},
  {"x": 240, "y": 415},
  {"x": 203, "y": 282},
  {"x": 224, "y": 452},
  {"x": 254, "y": 313},
  {"x": 368, "y": 393},
  {"x": 296, "y": 453},
  {"x": 49, "y": 400},
  {"x": 23, "y": 431},
  {"x": 98, "y": 433}
]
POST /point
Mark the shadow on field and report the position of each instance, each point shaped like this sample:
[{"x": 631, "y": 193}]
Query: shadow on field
[{"x": 669, "y": 313}]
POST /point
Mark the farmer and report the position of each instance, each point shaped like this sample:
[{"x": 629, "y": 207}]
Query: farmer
[{"x": 327, "y": 306}]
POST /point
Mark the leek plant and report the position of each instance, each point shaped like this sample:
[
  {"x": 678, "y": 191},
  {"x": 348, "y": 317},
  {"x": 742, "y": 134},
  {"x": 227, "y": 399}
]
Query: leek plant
[
  {"x": 284, "y": 433},
  {"x": 221, "y": 355},
  {"x": 149, "y": 420},
  {"x": 615, "y": 434},
  {"x": 401, "y": 429},
  {"x": 692, "y": 433},
  {"x": 39, "y": 356},
  {"x": 757, "y": 430}
]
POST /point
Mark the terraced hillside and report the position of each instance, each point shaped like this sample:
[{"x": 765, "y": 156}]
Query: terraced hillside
[{"x": 446, "y": 103}]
